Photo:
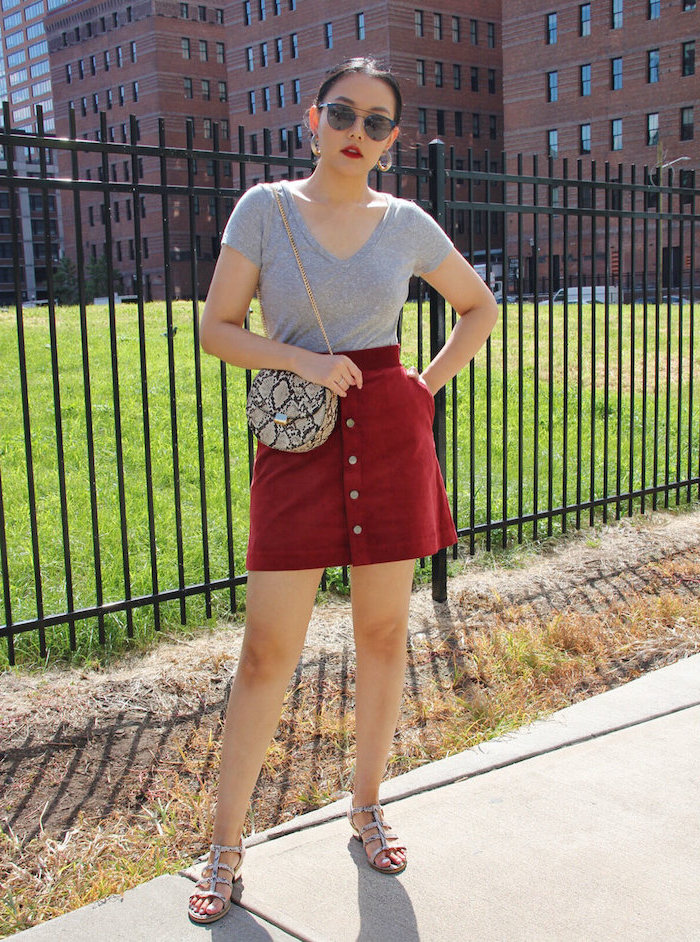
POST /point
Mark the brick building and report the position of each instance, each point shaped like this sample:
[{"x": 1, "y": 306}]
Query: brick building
[
  {"x": 607, "y": 81},
  {"x": 447, "y": 59},
  {"x": 154, "y": 59}
]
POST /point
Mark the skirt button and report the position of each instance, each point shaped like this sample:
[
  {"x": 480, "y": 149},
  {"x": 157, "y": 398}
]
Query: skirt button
[{"x": 357, "y": 529}]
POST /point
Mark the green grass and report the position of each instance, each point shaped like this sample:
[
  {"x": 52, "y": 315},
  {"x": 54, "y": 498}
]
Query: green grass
[{"x": 542, "y": 443}]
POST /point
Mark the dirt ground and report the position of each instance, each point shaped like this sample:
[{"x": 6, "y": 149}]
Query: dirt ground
[{"x": 86, "y": 742}]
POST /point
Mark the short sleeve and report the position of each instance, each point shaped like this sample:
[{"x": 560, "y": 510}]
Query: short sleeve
[
  {"x": 432, "y": 244},
  {"x": 245, "y": 228}
]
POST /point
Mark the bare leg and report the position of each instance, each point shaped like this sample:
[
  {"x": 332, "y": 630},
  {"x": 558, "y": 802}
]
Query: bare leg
[
  {"x": 380, "y": 601},
  {"x": 278, "y": 608}
]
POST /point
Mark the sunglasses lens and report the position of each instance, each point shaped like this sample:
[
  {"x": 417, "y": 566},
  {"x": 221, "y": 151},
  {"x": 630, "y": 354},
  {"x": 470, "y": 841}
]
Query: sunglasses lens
[
  {"x": 340, "y": 117},
  {"x": 378, "y": 127}
]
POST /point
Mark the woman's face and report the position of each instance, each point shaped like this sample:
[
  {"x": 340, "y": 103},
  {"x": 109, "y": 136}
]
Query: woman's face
[{"x": 352, "y": 150}]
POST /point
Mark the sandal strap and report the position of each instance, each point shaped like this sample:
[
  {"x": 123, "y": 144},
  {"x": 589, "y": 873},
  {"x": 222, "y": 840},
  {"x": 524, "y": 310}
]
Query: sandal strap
[
  {"x": 212, "y": 881},
  {"x": 224, "y": 848},
  {"x": 220, "y": 866},
  {"x": 370, "y": 808}
]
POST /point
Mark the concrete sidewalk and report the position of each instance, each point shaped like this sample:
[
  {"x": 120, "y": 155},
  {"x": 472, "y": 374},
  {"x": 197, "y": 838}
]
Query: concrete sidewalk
[{"x": 582, "y": 826}]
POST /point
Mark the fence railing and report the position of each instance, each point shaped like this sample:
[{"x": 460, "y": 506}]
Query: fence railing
[{"x": 124, "y": 455}]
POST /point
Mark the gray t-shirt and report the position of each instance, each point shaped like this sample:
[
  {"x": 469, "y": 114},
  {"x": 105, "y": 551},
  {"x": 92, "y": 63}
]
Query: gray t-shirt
[{"x": 359, "y": 298}]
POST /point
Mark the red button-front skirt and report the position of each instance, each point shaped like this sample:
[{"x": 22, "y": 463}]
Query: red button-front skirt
[{"x": 372, "y": 493}]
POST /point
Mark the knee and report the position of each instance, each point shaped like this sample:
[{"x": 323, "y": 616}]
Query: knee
[
  {"x": 263, "y": 660},
  {"x": 382, "y": 638}
]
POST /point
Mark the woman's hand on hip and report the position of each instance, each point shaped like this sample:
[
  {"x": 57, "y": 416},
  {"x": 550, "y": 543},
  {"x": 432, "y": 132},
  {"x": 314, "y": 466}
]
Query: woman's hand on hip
[
  {"x": 336, "y": 372},
  {"x": 413, "y": 373}
]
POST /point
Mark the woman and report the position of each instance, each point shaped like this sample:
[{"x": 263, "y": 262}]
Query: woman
[{"x": 371, "y": 496}]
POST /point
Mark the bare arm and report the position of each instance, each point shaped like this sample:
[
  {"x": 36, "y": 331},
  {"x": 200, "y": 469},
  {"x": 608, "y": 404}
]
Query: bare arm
[
  {"x": 223, "y": 335},
  {"x": 461, "y": 287}
]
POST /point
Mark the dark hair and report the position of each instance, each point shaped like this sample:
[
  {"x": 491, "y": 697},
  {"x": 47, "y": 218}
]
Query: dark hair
[{"x": 362, "y": 66}]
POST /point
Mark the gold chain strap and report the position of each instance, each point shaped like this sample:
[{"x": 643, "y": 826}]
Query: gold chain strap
[{"x": 303, "y": 275}]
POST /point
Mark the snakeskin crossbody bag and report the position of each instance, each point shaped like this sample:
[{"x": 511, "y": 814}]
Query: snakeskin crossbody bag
[{"x": 285, "y": 411}]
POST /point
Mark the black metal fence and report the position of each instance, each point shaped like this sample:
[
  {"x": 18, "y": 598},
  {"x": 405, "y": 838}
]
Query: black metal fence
[{"x": 124, "y": 456}]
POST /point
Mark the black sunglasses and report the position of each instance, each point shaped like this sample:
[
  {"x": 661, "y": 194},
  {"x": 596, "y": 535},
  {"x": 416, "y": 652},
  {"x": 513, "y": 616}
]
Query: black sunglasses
[{"x": 341, "y": 117}]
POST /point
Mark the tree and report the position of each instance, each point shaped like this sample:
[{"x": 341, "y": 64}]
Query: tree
[
  {"x": 97, "y": 280},
  {"x": 65, "y": 281}
]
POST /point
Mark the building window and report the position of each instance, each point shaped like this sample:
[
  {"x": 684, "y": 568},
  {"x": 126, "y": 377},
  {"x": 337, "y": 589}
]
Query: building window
[
  {"x": 207, "y": 123},
  {"x": 553, "y": 86},
  {"x": 616, "y": 73},
  {"x": 493, "y": 127},
  {"x": 550, "y": 29},
  {"x": 251, "y": 102},
  {"x": 95, "y": 103},
  {"x": 476, "y": 125},
  {"x": 687, "y": 132},
  {"x": 616, "y": 134},
  {"x": 688, "y": 60},
  {"x": 418, "y": 23},
  {"x": 224, "y": 128},
  {"x": 474, "y": 32},
  {"x": 206, "y": 89},
  {"x": 438, "y": 75},
  {"x": 616, "y": 15},
  {"x": 81, "y": 69},
  {"x": 280, "y": 95},
  {"x": 283, "y": 139},
  {"x": 457, "y": 76},
  {"x": 188, "y": 87},
  {"x": 360, "y": 26},
  {"x": 120, "y": 94},
  {"x": 440, "y": 115},
  {"x": 688, "y": 4},
  {"x": 654, "y": 10},
  {"x": 120, "y": 60},
  {"x": 185, "y": 46},
  {"x": 328, "y": 35},
  {"x": 296, "y": 91},
  {"x": 294, "y": 45},
  {"x": 420, "y": 71},
  {"x": 552, "y": 143},
  {"x": 69, "y": 74},
  {"x": 584, "y": 19},
  {"x": 584, "y": 139},
  {"x": 202, "y": 14},
  {"x": 491, "y": 35},
  {"x": 492, "y": 81},
  {"x": 247, "y": 19},
  {"x": 266, "y": 98},
  {"x": 184, "y": 11},
  {"x": 437, "y": 26},
  {"x": 93, "y": 65},
  {"x": 220, "y": 53},
  {"x": 109, "y": 98},
  {"x": 458, "y": 123},
  {"x": 134, "y": 91},
  {"x": 106, "y": 58},
  {"x": 261, "y": 10},
  {"x": 219, "y": 16},
  {"x": 455, "y": 29},
  {"x": 263, "y": 55},
  {"x": 132, "y": 51},
  {"x": 278, "y": 50},
  {"x": 223, "y": 91},
  {"x": 203, "y": 50},
  {"x": 586, "y": 79},
  {"x": 422, "y": 121},
  {"x": 250, "y": 64},
  {"x": 653, "y": 66},
  {"x": 474, "y": 78},
  {"x": 652, "y": 129}
]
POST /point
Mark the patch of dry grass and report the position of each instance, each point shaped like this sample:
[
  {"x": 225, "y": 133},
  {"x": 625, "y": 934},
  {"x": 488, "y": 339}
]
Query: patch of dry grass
[{"x": 498, "y": 669}]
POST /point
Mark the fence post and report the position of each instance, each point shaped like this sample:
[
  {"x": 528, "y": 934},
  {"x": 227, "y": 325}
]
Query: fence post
[{"x": 436, "y": 166}]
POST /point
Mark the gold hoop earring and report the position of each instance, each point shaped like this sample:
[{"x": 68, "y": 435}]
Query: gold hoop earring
[
  {"x": 384, "y": 163},
  {"x": 315, "y": 149}
]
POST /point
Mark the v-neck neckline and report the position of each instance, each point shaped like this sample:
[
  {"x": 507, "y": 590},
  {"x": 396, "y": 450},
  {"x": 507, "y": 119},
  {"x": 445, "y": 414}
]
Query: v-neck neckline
[{"x": 311, "y": 239}]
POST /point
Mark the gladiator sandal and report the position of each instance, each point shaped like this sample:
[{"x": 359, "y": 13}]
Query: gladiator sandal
[
  {"x": 206, "y": 887},
  {"x": 383, "y": 833}
]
